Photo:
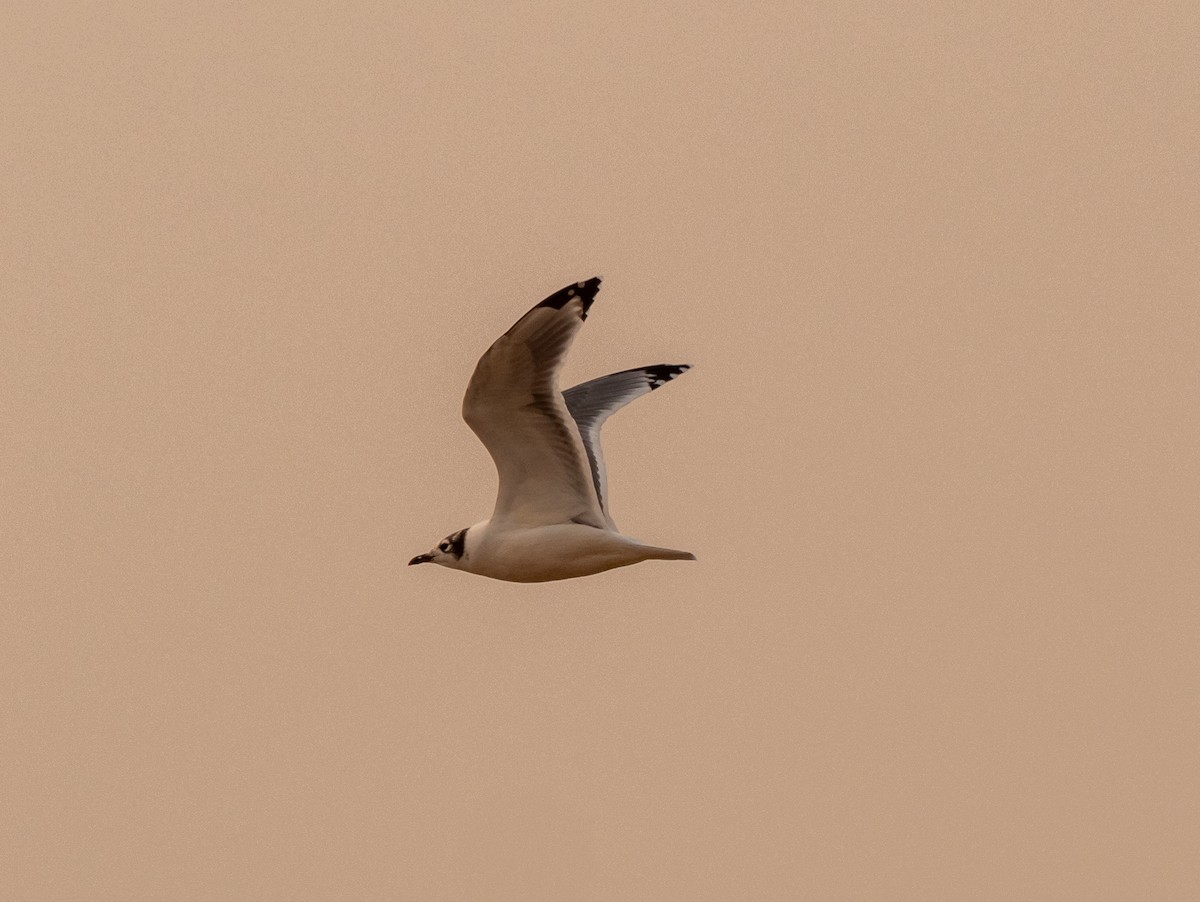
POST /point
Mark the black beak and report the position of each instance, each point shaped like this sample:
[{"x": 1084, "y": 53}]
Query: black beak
[{"x": 421, "y": 559}]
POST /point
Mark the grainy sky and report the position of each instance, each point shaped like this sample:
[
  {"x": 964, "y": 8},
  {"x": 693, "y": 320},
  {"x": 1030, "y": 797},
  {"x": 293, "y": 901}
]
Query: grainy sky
[{"x": 936, "y": 269}]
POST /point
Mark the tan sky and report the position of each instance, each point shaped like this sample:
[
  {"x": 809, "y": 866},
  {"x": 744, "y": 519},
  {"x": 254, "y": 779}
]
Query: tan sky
[{"x": 936, "y": 270}]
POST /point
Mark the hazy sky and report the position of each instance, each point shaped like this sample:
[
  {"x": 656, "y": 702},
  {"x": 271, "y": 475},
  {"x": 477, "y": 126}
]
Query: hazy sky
[{"x": 936, "y": 269}]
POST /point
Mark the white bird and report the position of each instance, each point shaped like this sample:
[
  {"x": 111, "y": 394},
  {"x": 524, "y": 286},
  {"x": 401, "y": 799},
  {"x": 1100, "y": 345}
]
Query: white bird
[{"x": 551, "y": 519}]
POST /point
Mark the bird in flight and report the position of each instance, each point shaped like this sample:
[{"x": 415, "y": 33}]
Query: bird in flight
[{"x": 551, "y": 519}]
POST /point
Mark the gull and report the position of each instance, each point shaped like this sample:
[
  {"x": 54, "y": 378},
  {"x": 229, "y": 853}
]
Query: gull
[{"x": 551, "y": 519}]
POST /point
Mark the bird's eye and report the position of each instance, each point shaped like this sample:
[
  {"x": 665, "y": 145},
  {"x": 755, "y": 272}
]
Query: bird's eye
[{"x": 445, "y": 546}]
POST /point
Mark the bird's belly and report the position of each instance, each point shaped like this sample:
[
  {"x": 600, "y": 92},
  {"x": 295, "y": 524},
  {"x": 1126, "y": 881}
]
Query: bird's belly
[{"x": 545, "y": 553}]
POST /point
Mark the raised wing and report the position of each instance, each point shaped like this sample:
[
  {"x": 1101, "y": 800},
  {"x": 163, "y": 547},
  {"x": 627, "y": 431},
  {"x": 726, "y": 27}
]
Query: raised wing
[
  {"x": 591, "y": 403},
  {"x": 513, "y": 404}
]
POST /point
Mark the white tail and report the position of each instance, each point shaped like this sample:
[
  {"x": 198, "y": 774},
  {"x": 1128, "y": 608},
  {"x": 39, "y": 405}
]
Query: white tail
[{"x": 653, "y": 553}]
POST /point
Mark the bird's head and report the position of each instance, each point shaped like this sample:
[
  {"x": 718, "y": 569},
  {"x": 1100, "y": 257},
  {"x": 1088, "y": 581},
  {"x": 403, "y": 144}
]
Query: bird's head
[{"x": 449, "y": 552}]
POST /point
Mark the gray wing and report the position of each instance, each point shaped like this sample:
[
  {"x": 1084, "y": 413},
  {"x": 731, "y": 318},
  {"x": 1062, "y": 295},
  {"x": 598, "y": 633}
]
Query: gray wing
[
  {"x": 513, "y": 404},
  {"x": 591, "y": 403}
]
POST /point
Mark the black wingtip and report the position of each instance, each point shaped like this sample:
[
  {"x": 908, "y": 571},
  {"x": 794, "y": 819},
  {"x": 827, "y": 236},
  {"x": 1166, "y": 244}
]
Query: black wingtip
[
  {"x": 663, "y": 373},
  {"x": 585, "y": 291}
]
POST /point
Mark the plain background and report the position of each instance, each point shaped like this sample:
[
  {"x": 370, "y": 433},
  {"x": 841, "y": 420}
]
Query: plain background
[{"x": 936, "y": 267}]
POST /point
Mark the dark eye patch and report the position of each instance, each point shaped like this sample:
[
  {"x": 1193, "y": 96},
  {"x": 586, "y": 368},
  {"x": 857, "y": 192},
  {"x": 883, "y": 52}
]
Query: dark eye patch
[{"x": 455, "y": 544}]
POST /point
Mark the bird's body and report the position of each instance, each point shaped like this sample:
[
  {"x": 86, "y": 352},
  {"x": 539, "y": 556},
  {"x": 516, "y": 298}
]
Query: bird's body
[
  {"x": 551, "y": 519},
  {"x": 555, "y": 551}
]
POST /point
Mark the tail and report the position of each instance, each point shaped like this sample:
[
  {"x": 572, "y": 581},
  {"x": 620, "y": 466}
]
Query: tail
[{"x": 654, "y": 553}]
